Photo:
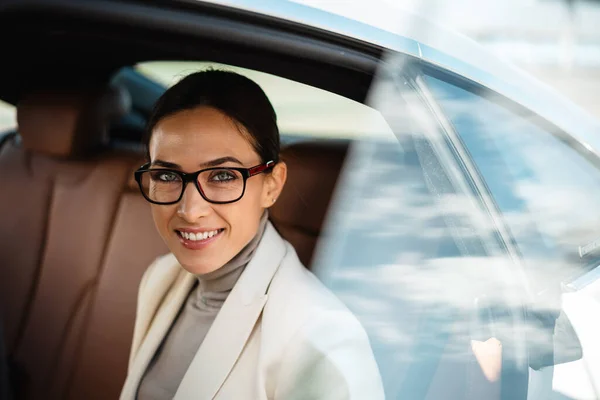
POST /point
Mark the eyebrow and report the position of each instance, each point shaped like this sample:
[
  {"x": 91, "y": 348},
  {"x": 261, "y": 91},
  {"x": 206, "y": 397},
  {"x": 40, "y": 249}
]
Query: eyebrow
[
  {"x": 212, "y": 163},
  {"x": 165, "y": 164},
  {"x": 222, "y": 160}
]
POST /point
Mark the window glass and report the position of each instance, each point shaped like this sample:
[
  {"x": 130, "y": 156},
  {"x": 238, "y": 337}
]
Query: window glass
[
  {"x": 389, "y": 256},
  {"x": 8, "y": 116},
  {"x": 302, "y": 110},
  {"x": 547, "y": 191},
  {"x": 547, "y": 194},
  {"x": 400, "y": 250},
  {"x": 407, "y": 248}
]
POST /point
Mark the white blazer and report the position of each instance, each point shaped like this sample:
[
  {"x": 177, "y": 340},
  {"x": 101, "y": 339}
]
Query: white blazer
[{"x": 279, "y": 335}]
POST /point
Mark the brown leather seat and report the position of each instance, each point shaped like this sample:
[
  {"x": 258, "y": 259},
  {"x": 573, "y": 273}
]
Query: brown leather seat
[
  {"x": 104, "y": 352},
  {"x": 75, "y": 242},
  {"x": 32, "y": 179},
  {"x": 298, "y": 214}
]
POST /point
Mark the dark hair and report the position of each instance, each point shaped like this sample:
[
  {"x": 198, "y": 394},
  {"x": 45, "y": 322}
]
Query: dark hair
[{"x": 236, "y": 96}]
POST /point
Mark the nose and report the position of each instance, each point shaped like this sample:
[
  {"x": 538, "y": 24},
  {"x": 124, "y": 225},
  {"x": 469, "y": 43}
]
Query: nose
[{"x": 192, "y": 205}]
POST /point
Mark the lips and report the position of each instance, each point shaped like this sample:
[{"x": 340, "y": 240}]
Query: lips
[
  {"x": 198, "y": 239},
  {"x": 196, "y": 236}
]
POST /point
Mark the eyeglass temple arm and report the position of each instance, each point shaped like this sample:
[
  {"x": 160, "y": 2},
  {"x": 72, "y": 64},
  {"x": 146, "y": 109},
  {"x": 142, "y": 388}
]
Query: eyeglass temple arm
[{"x": 260, "y": 168}]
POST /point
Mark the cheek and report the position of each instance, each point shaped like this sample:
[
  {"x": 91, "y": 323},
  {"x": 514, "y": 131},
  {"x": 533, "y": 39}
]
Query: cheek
[
  {"x": 254, "y": 197},
  {"x": 162, "y": 215},
  {"x": 254, "y": 193},
  {"x": 245, "y": 214}
]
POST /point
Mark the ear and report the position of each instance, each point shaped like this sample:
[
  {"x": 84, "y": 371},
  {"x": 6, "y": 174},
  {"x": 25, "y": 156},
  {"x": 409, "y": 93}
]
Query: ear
[{"x": 274, "y": 182}]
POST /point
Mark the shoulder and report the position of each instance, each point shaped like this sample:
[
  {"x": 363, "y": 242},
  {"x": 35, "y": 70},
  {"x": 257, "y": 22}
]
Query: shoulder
[
  {"x": 156, "y": 281},
  {"x": 293, "y": 277},
  {"x": 301, "y": 302},
  {"x": 162, "y": 272},
  {"x": 162, "y": 266},
  {"x": 316, "y": 336},
  {"x": 162, "y": 275}
]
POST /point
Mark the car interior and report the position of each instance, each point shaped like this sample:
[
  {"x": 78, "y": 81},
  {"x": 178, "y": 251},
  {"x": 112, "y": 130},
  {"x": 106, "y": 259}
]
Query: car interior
[{"x": 77, "y": 234}]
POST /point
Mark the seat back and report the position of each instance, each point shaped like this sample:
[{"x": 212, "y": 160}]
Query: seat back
[
  {"x": 298, "y": 214},
  {"x": 33, "y": 169},
  {"x": 64, "y": 235},
  {"x": 104, "y": 352}
]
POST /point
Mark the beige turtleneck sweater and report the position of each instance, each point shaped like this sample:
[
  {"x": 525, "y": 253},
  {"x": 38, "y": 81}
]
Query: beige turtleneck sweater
[{"x": 180, "y": 345}]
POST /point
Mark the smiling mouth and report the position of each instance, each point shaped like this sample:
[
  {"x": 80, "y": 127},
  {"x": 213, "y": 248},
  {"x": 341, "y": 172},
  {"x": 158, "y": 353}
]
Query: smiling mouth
[{"x": 199, "y": 236}]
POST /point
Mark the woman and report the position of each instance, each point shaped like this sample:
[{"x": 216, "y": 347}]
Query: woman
[{"x": 231, "y": 313}]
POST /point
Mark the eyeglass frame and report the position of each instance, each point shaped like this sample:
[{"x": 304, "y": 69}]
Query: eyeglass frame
[{"x": 193, "y": 177}]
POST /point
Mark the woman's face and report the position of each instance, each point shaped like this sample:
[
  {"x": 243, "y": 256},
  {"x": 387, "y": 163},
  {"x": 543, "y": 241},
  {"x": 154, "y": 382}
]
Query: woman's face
[{"x": 194, "y": 139}]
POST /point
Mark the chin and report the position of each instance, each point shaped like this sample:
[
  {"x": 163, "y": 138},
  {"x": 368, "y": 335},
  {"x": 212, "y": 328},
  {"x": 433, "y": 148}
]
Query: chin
[{"x": 197, "y": 267}]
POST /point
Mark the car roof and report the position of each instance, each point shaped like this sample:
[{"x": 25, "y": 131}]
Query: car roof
[
  {"x": 415, "y": 36},
  {"x": 421, "y": 38}
]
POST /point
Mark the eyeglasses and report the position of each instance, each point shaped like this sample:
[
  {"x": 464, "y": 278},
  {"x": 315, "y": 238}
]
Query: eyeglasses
[{"x": 218, "y": 185}]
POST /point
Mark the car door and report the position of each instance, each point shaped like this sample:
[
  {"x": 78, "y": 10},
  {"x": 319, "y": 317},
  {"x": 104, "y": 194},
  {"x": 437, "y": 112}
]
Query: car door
[
  {"x": 544, "y": 185},
  {"x": 410, "y": 250},
  {"x": 463, "y": 292}
]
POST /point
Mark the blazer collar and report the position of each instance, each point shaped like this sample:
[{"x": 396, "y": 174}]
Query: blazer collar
[
  {"x": 234, "y": 323},
  {"x": 229, "y": 332},
  {"x": 159, "y": 319}
]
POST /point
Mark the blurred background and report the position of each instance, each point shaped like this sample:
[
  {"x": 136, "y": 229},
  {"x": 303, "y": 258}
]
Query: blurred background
[{"x": 557, "y": 41}]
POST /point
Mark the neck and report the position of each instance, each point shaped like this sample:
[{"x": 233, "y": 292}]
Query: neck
[{"x": 214, "y": 286}]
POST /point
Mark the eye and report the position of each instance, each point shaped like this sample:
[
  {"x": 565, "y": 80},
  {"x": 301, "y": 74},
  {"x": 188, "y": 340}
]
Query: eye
[
  {"x": 223, "y": 175},
  {"x": 165, "y": 176}
]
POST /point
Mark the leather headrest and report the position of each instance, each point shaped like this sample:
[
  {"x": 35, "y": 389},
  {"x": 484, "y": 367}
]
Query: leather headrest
[
  {"x": 131, "y": 182},
  {"x": 68, "y": 123},
  {"x": 313, "y": 169}
]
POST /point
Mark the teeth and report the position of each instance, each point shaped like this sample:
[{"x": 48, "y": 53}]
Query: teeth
[{"x": 199, "y": 235}]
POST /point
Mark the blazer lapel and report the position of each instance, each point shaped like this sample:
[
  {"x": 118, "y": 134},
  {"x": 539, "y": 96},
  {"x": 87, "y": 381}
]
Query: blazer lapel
[
  {"x": 234, "y": 323},
  {"x": 159, "y": 327}
]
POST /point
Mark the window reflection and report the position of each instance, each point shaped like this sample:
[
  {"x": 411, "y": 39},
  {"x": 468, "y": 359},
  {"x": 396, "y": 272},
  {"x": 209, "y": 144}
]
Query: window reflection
[{"x": 411, "y": 256}]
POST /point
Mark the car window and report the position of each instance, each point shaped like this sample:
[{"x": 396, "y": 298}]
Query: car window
[
  {"x": 401, "y": 250},
  {"x": 302, "y": 111},
  {"x": 8, "y": 116},
  {"x": 407, "y": 247},
  {"x": 546, "y": 191}
]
